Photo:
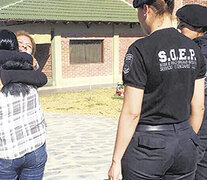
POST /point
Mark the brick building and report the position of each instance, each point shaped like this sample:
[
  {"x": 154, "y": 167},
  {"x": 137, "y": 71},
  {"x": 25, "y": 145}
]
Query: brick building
[{"x": 78, "y": 44}]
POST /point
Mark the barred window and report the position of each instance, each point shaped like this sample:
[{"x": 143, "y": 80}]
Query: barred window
[{"x": 86, "y": 51}]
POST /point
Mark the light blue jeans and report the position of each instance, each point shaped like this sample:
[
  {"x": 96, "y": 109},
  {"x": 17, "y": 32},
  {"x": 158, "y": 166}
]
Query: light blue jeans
[{"x": 29, "y": 167}]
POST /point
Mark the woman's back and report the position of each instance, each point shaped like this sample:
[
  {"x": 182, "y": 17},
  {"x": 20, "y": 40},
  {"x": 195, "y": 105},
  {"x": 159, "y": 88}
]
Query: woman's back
[
  {"x": 166, "y": 64},
  {"x": 22, "y": 124}
]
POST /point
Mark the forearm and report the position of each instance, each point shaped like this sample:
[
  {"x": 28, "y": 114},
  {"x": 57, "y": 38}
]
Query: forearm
[
  {"x": 125, "y": 131},
  {"x": 128, "y": 120},
  {"x": 196, "y": 118},
  {"x": 31, "y": 77},
  {"x": 197, "y": 105},
  {"x": 7, "y": 55}
]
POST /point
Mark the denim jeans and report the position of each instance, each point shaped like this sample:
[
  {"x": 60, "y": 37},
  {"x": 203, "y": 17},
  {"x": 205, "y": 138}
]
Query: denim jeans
[{"x": 29, "y": 167}]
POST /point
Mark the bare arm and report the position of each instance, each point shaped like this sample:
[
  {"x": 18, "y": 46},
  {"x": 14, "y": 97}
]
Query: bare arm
[
  {"x": 128, "y": 121},
  {"x": 197, "y": 105}
]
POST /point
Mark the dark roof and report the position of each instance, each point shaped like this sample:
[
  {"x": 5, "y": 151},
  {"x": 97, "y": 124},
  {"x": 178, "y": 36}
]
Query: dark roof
[{"x": 68, "y": 10}]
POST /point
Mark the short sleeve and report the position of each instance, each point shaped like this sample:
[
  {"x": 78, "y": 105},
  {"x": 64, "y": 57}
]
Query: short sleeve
[
  {"x": 134, "y": 69},
  {"x": 201, "y": 67}
]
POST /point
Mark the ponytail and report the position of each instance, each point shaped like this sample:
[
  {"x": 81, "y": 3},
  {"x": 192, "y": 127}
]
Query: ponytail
[{"x": 163, "y": 6}]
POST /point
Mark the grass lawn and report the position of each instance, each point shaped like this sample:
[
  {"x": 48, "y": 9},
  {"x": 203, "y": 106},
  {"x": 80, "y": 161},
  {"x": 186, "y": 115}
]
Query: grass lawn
[{"x": 95, "y": 101}]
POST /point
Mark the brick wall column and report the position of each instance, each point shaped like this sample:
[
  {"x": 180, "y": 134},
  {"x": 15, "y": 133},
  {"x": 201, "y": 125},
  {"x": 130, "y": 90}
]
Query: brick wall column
[
  {"x": 116, "y": 58},
  {"x": 56, "y": 61}
]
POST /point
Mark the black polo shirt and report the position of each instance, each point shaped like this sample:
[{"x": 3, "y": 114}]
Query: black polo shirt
[
  {"x": 202, "y": 43},
  {"x": 164, "y": 64}
]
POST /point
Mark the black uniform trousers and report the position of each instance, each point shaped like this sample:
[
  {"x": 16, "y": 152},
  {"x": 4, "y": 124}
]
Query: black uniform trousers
[
  {"x": 169, "y": 154},
  {"x": 201, "y": 172}
]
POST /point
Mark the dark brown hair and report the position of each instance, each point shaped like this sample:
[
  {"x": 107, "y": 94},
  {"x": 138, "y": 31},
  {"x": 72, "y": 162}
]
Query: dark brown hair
[
  {"x": 16, "y": 89},
  {"x": 163, "y": 6},
  {"x": 8, "y": 40}
]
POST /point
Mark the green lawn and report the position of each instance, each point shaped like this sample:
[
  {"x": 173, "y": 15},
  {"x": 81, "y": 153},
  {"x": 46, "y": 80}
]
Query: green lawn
[{"x": 96, "y": 101}]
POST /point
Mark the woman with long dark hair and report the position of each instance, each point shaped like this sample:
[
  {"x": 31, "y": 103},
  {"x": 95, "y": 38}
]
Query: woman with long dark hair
[
  {"x": 163, "y": 106},
  {"x": 8, "y": 50},
  {"x": 22, "y": 123}
]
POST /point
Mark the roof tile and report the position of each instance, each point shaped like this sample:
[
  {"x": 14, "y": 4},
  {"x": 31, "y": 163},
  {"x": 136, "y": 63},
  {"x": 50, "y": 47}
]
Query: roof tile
[{"x": 68, "y": 10}]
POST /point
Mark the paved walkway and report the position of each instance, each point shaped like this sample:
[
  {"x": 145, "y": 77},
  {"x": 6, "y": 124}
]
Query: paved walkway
[{"x": 79, "y": 147}]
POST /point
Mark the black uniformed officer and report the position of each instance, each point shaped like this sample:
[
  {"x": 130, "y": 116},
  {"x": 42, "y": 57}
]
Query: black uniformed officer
[
  {"x": 193, "y": 24},
  {"x": 163, "y": 75}
]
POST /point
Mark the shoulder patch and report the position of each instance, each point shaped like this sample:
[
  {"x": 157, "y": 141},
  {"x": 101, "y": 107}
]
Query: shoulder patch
[{"x": 127, "y": 63}]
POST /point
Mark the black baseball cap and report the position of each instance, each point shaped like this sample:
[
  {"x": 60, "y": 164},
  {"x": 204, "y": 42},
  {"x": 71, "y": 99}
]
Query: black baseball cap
[
  {"x": 140, "y": 3},
  {"x": 193, "y": 14}
]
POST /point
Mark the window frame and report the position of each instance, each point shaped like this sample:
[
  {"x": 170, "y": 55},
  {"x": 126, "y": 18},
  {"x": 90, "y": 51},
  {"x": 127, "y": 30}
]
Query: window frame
[{"x": 90, "y": 39}]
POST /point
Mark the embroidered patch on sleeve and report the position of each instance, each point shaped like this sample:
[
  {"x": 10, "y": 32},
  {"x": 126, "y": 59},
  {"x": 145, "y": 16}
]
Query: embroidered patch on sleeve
[{"x": 127, "y": 63}]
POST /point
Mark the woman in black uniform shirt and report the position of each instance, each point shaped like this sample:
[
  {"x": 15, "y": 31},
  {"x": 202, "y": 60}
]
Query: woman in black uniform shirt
[
  {"x": 193, "y": 25},
  {"x": 163, "y": 75}
]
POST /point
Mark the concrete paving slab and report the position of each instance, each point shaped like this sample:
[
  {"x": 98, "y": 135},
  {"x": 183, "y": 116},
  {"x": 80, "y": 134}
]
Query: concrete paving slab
[{"x": 79, "y": 147}]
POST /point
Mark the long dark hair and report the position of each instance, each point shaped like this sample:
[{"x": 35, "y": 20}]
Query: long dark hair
[{"x": 16, "y": 89}]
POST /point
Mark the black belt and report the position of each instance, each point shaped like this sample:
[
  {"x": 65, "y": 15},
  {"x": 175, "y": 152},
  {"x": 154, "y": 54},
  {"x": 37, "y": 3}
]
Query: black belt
[{"x": 163, "y": 127}]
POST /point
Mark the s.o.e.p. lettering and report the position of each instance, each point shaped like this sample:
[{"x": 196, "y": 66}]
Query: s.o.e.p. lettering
[{"x": 177, "y": 59}]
